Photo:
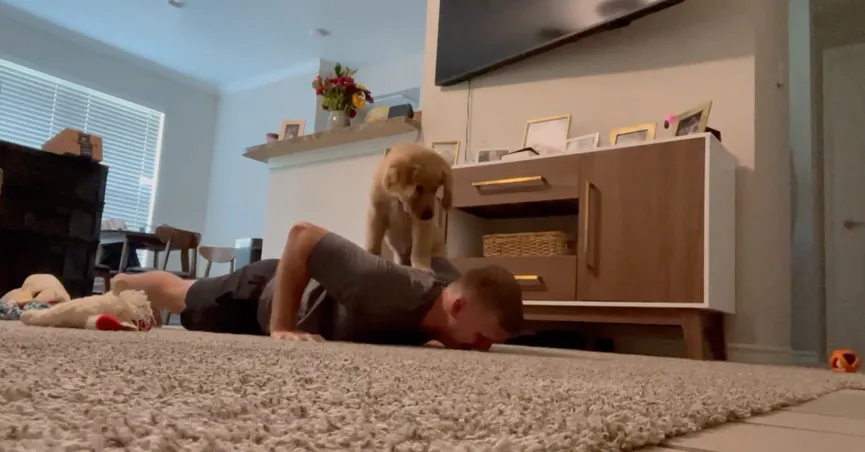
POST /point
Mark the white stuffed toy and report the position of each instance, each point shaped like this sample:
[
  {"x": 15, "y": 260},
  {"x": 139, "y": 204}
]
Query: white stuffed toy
[
  {"x": 39, "y": 288},
  {"x": 127, "y": 310}
]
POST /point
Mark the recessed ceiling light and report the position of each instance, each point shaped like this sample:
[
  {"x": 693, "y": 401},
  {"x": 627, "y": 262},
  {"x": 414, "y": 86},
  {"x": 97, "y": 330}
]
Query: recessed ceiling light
[{"x": 319, "y": 32}]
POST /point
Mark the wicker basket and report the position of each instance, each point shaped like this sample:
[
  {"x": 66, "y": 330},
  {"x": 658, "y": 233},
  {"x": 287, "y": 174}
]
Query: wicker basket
[{"x": 552, "y": 243}]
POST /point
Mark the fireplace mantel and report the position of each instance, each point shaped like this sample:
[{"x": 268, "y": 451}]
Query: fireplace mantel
[{"x": 337, "y": 143}]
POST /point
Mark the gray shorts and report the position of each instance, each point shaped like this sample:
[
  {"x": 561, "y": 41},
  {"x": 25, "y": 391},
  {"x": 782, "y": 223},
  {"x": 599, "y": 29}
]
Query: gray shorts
[{"x": 228, "y": 303}]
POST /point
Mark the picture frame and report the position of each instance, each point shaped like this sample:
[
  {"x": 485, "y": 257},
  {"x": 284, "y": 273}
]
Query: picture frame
[
  {"x": 450, "y": 150},
  {"x": 490, "y": 154},
  {"x": 693, "y": 121},
  {"x": 291, "y": 128},
  {"x": 582, "y": 143},
  {"x": 547, "y": 135},
  {"x": 639, "y": 133}
]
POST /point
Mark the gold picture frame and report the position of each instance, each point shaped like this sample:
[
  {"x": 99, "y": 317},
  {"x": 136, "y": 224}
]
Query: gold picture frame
[
  {"x": 548, "y": 144},
  {"x": 693, "y": 121},
  {"x": 291, "y": 128},
  {"x": 633, "y": 134},
  {"x": 450, "y": 150}
]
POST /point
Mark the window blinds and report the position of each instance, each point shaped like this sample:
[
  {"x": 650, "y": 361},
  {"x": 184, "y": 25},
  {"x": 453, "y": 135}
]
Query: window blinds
[{"x": 36, "y": 106}]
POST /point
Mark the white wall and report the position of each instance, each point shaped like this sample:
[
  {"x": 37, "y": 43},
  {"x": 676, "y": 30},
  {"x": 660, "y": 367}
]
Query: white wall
[
  {"x": 393, "y": 76},
  {"x": 190, "y": 111},
  {"x": 238, "y": 187}
]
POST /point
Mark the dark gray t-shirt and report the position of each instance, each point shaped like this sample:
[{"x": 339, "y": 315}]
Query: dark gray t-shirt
[{"x": 358, "y": 297}]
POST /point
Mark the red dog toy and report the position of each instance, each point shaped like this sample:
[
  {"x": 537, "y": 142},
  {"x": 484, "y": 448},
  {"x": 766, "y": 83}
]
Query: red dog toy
[{"x": 843, "y": 360}]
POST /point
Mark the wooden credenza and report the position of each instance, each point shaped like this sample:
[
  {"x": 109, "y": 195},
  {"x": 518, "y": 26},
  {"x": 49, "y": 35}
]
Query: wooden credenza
[{"x": 653, "y": 229}]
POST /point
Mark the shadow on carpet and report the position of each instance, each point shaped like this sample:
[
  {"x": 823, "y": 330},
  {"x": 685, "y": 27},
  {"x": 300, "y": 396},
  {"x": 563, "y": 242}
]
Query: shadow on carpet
[{"x": 177, "y": 390}]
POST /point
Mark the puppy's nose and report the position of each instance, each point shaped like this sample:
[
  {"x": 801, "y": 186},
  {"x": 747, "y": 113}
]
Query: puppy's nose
[{"x": 426, "y": 215}]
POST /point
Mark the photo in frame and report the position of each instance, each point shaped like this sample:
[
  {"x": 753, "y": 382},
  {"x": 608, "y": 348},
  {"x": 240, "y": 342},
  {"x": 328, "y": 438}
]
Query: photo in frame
[
  {"x": 693, "y": 121},
  {"x": 633, "y": 134},
  {"x": 547, "y": 135},
  {"x": 582, "y": 143},
  {"x": 291, "y": 128},
  {"x": 491, "y": 154},
  {"x": 450, "y": 150}
]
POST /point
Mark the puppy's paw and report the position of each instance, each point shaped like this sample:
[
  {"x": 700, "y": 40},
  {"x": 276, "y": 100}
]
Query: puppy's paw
[{"x": 422, "y": 266}]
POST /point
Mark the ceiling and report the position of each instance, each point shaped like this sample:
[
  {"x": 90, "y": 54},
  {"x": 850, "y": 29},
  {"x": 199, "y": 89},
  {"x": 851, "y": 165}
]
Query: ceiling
[{"x": 223, "y": 42}]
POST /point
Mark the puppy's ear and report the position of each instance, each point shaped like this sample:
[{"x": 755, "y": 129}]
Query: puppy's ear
[
  {"x": 401, "y": 175},
  {"x": 392, "y": 177},
  {"x": 447, "y": 189},
  {"x": 410, "y": 173}
]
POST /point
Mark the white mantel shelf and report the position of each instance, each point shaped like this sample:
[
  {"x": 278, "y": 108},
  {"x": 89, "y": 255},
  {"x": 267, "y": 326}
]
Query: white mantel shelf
[{"x": 333, "y": 138}]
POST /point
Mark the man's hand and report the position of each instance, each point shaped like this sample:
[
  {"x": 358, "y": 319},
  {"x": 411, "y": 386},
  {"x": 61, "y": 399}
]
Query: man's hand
[{"x": 295, "y": 336}]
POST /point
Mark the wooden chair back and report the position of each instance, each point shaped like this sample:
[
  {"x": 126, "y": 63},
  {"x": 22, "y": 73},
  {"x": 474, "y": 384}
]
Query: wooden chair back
[
  {"x": 181, "y": 240},
  {"x": 220, "y": 255}
]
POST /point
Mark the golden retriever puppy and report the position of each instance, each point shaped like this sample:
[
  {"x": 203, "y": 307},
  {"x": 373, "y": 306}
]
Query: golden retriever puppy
[{"x": 402, "y": 204}]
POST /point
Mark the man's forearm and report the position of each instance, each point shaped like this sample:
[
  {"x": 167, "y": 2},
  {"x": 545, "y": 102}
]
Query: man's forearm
[{"x": 292, "y": 275}]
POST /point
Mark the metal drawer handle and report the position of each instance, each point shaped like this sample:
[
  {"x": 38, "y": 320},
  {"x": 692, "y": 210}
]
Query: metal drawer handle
[
  {"x": 532, "y": 278},
  {"x": 588, "y": 231},
  {"x": 508, "y": 181}
]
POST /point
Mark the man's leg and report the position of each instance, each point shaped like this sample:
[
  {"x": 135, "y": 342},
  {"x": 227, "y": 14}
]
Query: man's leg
[
  {"x": 164, "y": 290},
  {"x": 220, "y": 304}
]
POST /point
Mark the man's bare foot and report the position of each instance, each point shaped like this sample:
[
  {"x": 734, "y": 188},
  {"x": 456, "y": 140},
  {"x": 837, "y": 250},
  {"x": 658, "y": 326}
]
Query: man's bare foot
[{"x": 119, "y": 284}]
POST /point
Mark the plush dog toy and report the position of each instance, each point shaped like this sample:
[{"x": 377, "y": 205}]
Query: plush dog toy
[
  {"x": 39, "y": 288},
  {"x": 127, "y": 310}
]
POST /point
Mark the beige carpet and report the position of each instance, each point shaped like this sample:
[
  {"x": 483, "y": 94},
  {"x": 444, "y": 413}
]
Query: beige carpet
[{"x": 175, "y": 390}]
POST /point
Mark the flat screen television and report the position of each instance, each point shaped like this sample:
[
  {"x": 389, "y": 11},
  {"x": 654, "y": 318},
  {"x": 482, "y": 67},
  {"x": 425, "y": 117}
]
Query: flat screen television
[{"x": 478, "y": 36}]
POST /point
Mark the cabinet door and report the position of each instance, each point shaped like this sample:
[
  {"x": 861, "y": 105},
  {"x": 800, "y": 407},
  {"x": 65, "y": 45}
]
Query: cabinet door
[{"x": 641, "y": 223}]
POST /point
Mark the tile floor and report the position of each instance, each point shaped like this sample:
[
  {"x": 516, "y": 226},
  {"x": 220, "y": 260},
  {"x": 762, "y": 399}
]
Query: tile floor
[{"x": 835, "y": 422}]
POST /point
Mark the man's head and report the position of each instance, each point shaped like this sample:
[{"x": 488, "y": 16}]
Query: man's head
[{"x": 484, "y": 307}]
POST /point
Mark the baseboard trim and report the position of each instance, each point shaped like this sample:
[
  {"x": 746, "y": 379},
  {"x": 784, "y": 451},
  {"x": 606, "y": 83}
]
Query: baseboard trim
[{"x": 762, "y": 354}]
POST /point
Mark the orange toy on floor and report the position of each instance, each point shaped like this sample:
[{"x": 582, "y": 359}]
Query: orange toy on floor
[{"x": 843, "y": 360}]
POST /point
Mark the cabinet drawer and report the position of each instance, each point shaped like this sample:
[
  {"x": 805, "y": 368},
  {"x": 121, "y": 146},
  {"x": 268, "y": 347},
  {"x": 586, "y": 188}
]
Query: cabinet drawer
[
  {"x": 541, "y": 278},
  {"x": 542, "y": 179}
]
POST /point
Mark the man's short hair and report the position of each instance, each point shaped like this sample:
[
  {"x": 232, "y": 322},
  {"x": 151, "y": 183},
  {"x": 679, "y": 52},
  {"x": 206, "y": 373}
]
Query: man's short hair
[{"x": 495, "y": 288}]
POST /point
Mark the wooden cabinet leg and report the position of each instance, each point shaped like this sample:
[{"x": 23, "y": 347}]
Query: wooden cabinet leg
[
  {"x": 715, "y": 336},
  {"x": 693, "y": 327}
]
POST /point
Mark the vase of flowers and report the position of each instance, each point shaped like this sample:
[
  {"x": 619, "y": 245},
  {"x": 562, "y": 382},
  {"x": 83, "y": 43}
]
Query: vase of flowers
[{"x": 341, "y": 95}]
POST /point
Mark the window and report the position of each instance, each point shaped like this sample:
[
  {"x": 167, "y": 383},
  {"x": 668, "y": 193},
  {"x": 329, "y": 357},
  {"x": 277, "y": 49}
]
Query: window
[{"x": 35, "y": 106}]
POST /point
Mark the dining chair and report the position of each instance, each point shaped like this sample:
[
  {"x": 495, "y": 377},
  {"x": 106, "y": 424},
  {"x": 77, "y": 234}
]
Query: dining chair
[
  {"x": 103, "y": 272},
  {"x": 219, "y": 255},
  {"x": 186, "y": 242}
]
